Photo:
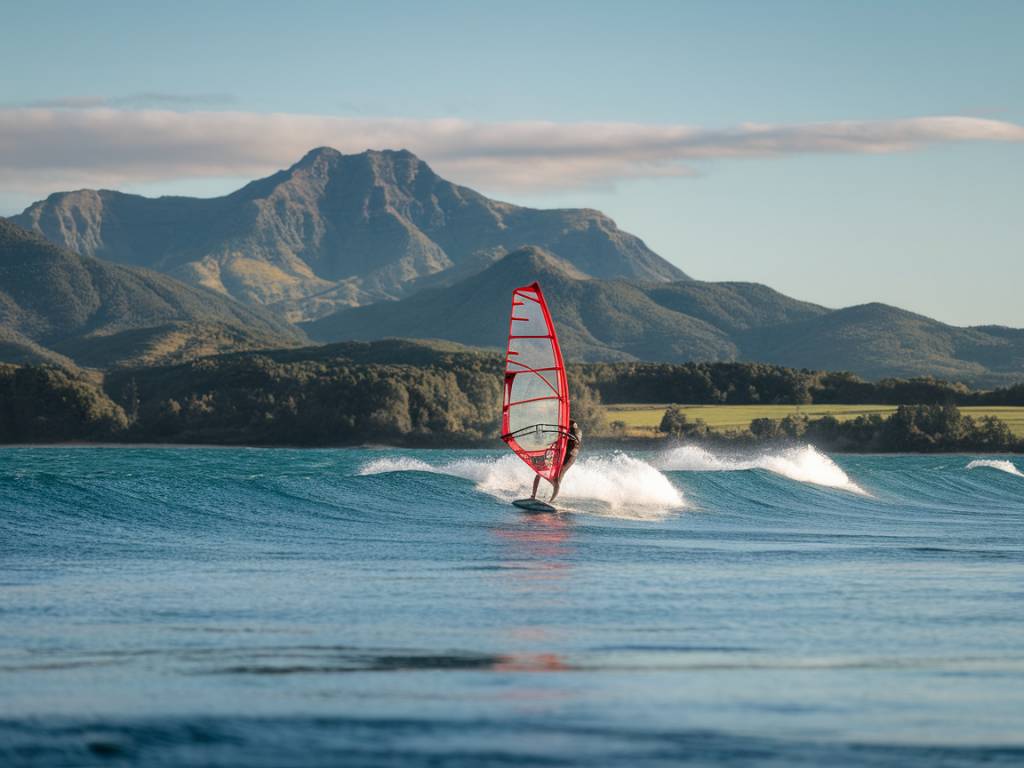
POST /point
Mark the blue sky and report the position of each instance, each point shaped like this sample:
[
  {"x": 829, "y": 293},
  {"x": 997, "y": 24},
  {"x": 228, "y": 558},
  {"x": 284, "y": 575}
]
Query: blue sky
[{"x": 920, "y": 214}]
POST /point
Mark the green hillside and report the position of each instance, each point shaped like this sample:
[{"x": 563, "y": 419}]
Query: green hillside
[
  {"x": 876, "y": 340},
  {"x": 15, "y": 348},
  {"x": 597, "y": 319},
  {"x": 56, "y": 305},
  {"x": 614, "y": 320},
  {"x": 733, "y": 307}
]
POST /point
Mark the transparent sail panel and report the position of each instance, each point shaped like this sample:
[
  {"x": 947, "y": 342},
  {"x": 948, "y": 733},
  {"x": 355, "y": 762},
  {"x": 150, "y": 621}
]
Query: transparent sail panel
[
  {"x": 528, "y": 317},
  {"x": 530, "y": 353},
  {"x": 539, "y": 419},
  {"x": 536, "y": 404},
  {"x": 530, "y": 386}
]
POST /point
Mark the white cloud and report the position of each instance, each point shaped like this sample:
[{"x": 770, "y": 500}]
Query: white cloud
[{"x": 44, "y": 149}]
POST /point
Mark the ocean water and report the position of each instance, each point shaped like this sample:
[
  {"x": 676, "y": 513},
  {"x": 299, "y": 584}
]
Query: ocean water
[{"x": 263, "y": 607}]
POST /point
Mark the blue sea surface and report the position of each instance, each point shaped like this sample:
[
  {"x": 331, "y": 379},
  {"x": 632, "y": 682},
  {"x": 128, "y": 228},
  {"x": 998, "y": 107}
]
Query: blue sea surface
[{"x": 379, "y": 607}]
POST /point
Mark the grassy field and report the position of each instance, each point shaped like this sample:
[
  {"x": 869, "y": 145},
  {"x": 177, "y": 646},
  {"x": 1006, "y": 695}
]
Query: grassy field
[{"x": 643, "y": 419}]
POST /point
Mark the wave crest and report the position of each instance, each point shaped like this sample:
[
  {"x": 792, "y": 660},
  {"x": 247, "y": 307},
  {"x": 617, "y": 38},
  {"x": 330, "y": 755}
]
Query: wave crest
[
  {"x": 804, "y": 464},
  {"x": 1001, "y": 464},
  {"x": 616, "y": 484}
]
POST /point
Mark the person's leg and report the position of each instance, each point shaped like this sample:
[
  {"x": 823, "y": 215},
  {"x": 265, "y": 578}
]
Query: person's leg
[
  {"x": 536, "y": 483},
  {"x": 557, "y": 482}
]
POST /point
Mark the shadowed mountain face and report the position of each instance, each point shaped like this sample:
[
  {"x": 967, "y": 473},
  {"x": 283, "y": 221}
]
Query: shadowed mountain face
[
  {"x": 334, "y": 231},
  {"x": 602, "y": 320},
  {"x": 877, "y": 340},
  {"x": 56, "y": 305},
  {"x": 597, "y": 319}
]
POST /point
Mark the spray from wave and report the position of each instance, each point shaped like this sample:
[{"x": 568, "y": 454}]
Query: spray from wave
[
  {"x": 1001, "y": 464},
  {"x": 805, "y": 464},
  {"x": 617, "y": 484}
]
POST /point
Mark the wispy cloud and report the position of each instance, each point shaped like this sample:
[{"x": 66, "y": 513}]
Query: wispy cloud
[{"x": 49, "y": 148}]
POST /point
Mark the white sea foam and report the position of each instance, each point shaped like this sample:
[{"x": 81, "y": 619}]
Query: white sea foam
[
  {"x": 394, "y": 464},
  {"x": 616, "y": 484},
  {"x": 804, "y": 464},
  {"x": 1001, "y": 464}
]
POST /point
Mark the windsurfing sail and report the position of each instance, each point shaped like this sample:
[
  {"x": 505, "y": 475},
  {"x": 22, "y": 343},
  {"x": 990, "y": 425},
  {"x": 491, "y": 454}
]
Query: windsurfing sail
[{"x": 535, "y": 415}]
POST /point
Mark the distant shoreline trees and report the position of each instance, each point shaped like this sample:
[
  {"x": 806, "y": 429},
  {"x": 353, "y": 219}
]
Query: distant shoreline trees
[
  {"x": 911, "y": 429},
  {"x": 412, "y": 394},
  {"x": 40, "y": 403},
  {"x": 767, "y": 384}
]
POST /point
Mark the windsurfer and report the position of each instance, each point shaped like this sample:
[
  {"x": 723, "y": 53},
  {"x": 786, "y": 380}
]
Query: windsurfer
[{"x": 574, "y": 439}]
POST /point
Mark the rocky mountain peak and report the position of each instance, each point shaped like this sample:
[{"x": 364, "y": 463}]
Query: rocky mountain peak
[{"x": 335, "y": 230}]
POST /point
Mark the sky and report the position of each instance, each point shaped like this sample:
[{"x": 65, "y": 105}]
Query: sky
[{"x": 840, "y": 152}]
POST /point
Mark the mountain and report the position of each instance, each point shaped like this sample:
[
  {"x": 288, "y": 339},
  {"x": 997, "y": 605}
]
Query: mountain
[
  {"x": 607, "y": 320},
  {"x": 597, "y": 319},
  {"x": 21, "y": 350},
  {"x": 334, "y": 231},
  {"x": 732, "y": 306},
  {"x": 877, "y": 340},
  {"x": 56, "y": 305},
  {"x": 377, "y": 245}
]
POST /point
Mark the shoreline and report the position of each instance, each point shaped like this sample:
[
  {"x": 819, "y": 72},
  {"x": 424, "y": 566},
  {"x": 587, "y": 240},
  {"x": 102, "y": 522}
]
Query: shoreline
[{"x": 602, "y": 444}]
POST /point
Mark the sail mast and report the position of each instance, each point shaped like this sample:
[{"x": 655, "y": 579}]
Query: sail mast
[{"x": 535, "y": 412}]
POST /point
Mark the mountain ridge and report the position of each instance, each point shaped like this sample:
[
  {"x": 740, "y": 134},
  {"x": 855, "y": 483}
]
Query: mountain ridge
[
  {"x": 597, "y": 320},
  {"x": 332, "y": 230},
  {"x": 689, "y": 321},
  {"x": 57, "y": 306},
  {"x": 367, "y": 245}
]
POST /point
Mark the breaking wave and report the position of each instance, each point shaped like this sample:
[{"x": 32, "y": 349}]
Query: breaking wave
[
  {"x": 805, "y": 464},
  {"x": 616, "y": 484},
  {"x": 1001, "y": 464}
]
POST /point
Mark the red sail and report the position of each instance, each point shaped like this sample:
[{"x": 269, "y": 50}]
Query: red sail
[{"x": 535, "y": 416}]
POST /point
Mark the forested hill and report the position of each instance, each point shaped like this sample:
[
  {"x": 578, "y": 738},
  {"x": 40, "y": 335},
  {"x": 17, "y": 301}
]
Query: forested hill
[
  {"x": 57, "y": 306},
  {"x": 877, "y": 340},
  {"x": 333, "y": 230},
  {"x": 596, "y": 319},
  {"x": 608, "y": 320},
  {"x": 405, "y": 392}
]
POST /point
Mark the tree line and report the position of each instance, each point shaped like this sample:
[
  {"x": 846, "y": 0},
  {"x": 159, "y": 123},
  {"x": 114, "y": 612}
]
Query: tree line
[
  {"x": 926, "y": 428},
  {"x": 415, "y": 395},
  {"x": 41, "y": 403},
  {"x": 762, "y": 383}
]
